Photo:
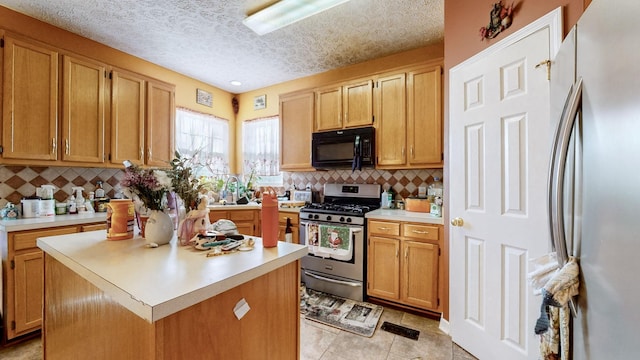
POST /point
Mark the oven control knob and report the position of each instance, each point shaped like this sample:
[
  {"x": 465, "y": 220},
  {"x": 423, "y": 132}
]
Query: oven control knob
[
  {"x": 316, "y": 216},
  {"x": 310, "y": 216},
  {"x": 328, "y": 218},
  {"x": 341, "y": 218},
  {"x": 348, "y": 220}
]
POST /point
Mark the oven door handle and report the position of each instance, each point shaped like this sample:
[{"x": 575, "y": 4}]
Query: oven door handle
[{"x": 348, "y": 283}]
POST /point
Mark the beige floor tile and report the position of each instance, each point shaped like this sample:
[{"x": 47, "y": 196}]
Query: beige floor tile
[
  {"x": 28, "y": 350},
  {"x": 314, "y": 341},
  {"x": 460, "y": 354},
  {"x": 429, "y": 346},
  {"x": 352, "y": 346}
]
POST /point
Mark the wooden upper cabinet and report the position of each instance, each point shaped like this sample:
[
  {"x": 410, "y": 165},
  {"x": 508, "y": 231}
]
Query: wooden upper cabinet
[
  {"x": 329, "y": 108},
  {"x": 424, "y": 116},
  {"x": 357, "y": 104},
  {"x": 127, "y": 117},
  {"x": 408, "y": 112},
  {"x": 390, "y": 100},
  {"x": 160, "y": 123},
  {"x": 296, "y": 126},
  {"x": 30, "y": 100},
  {"x": 83, "y": 110},
  {"x": 345, "y": 105}
]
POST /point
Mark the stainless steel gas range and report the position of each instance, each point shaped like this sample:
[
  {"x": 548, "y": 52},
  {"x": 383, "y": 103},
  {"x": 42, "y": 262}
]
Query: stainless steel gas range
[{"x": 335, "y": 233}]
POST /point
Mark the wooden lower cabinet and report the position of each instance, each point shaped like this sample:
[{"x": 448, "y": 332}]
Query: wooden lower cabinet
[
  {"x": 403, "y": 263},
  {"x": 282, "y": 225},
  {"x": 23, "y": 269},
  {"x": 247, "y": 221}
]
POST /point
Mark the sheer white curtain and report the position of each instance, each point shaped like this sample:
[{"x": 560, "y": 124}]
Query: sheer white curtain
[
  {"x": 205, "y": 138},
  {"x": 260, "y": 141}
]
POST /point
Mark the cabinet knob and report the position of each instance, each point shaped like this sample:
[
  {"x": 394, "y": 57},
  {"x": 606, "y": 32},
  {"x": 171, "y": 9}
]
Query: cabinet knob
[{"x": 457, "y": 221}]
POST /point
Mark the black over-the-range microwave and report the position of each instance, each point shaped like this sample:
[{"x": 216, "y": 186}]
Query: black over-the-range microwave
[{"x": 348, "y": 148}]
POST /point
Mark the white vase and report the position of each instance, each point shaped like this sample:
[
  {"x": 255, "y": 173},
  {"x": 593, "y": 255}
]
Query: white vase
[{"x": 159, "y": 228}]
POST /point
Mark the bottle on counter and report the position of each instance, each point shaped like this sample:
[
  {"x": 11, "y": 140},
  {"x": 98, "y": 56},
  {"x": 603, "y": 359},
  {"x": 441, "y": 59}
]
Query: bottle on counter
[
  {"x": 269, "y": 216},
  {"x": 73, "y": 209},
  {"x": 384, "y": 199},
  {"x": 99, "y": 193},
  {"x": 435, "y": 192},
  {"x": 101, "y": 199},
  {"x": 288, "y": 232}
]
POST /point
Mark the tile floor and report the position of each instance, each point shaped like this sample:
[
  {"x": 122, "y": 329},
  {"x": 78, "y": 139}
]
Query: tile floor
[{"x": 321, "y": 342}]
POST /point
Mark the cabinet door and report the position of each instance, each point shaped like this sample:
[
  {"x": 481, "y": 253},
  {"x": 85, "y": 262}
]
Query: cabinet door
[
  {"x": 29, "y": 278},
  {"x": 424, "y": 117},
  {"x": 30, "y": 101},
  {"x": 83, "y": 110},
  {"x": 391, "y": 128},
  {"x": 160, "y": 123},
  {"x": 127, "y": 118},
  {"x": 296, "y": 126},
  {"x": 329, "y": 108},
  {"x": 383, "y": 268},
  {"x": 357, "y": 104},
  {"x": 420, "y": 274},
  {"x": 282, "y": 226}
]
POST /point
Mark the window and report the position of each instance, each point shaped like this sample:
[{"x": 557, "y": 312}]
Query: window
[
  {"x": 260, "y": 142},
  {"x": 205, "y": 138}
]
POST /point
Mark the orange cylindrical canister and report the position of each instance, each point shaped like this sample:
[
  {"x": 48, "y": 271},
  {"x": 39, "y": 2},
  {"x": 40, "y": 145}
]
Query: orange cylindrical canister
[
  {"x": 120, "y": 219},
  {"x": 269, "y": 218}
]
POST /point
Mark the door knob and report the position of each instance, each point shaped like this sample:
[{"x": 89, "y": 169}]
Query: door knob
[{"x": 457, "y": 221}]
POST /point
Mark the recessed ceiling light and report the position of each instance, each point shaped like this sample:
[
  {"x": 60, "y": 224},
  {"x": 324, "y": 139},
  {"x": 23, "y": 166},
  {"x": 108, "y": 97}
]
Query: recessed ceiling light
[{"x": 235, "y": 83}]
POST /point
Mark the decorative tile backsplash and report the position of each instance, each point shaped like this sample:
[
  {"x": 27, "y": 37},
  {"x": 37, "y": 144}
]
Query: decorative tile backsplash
[
  {"x": 404, "y": 182},
  {"x": 17, "y": 182}
]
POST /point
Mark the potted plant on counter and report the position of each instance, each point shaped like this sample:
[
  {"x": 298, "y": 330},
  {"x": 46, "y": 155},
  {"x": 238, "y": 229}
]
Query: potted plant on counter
[
  {"x": 188, "y": 189},
  {"x": 150, "y": 187}
]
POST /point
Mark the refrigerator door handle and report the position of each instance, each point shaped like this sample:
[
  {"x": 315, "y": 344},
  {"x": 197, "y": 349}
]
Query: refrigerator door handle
[{"x": 557, "y": 173}]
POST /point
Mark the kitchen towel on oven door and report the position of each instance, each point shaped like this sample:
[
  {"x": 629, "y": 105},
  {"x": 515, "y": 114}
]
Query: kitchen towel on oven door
[
  {"x": 335, "y": 242},
  {"x": 312, "y": 237}
]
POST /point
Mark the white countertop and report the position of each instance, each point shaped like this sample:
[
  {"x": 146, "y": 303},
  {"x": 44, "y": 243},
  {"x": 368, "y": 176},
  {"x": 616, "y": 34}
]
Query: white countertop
[
  {"x": 157, "y": 282},
  {"x": 51, "y": 221},
  {"x": 403, "y": 215}
]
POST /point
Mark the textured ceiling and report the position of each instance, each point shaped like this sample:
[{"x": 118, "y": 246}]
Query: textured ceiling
[{"x": 206, "y": 40}]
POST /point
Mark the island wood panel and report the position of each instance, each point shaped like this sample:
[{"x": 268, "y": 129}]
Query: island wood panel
[{"x": 81, "y": 321}]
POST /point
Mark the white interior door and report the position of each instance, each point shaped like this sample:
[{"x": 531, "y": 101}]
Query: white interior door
[{"x": 499, "y": 155}]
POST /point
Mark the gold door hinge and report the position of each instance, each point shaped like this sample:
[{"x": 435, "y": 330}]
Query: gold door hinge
[{"x": 13, "y": 264}]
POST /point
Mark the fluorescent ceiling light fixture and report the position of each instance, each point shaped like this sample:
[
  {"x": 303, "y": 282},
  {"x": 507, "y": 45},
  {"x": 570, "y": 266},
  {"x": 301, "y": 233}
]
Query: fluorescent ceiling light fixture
[
  {"x": 235, "y": 82},
  {"x": 286, "y": 12}
]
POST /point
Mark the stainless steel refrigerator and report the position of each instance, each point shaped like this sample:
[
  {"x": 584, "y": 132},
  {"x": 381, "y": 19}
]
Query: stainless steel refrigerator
[{"x": 595, "y": 205}]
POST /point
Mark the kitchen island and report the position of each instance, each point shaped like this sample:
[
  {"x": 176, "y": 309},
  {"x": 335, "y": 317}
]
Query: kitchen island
[{"x": 121, "y": 299}]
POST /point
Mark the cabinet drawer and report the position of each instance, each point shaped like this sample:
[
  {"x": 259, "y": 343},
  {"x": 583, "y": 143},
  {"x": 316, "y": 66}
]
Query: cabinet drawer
[
  {"x": 241, "y": 215},
  {"x": 423, "y": 232},
  {"x": 27, "y": 239},
  {"x": 217, "y": 215},
  {"x": 384, "y": 228}
]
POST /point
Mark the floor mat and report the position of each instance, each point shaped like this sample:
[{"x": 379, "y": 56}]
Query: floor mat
[
  {"x": 354, "y": 316},
  {"x": 400, "y": 330}
]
